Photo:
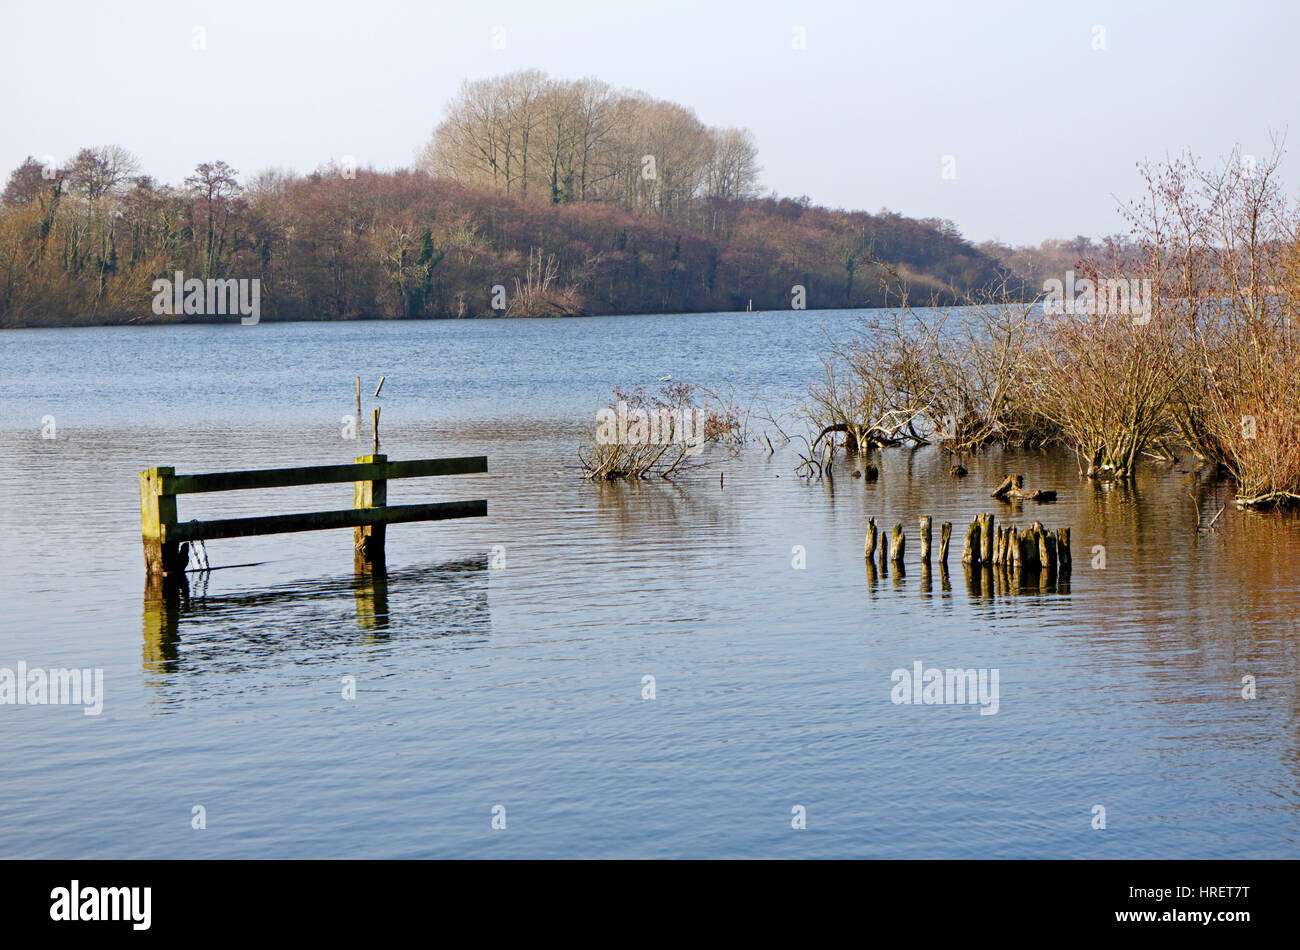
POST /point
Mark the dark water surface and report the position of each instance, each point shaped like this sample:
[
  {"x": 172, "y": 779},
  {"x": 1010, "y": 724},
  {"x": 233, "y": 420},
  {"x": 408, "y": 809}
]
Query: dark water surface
[{"x": 522, "y": 686}]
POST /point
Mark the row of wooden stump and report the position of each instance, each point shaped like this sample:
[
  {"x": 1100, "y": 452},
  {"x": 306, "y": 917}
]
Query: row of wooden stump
[{"x": 1031, "y": 548}]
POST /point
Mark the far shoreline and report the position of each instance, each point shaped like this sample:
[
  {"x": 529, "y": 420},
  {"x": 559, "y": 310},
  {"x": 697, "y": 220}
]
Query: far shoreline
[{"x": 235, "y": 321}]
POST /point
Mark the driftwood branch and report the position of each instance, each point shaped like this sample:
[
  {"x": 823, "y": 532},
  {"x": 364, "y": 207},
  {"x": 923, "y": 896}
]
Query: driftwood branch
[{"x": 1013, "y": 488}]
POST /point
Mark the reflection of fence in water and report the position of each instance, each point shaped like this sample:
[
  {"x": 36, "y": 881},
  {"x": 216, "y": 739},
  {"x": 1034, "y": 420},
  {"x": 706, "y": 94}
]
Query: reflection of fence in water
[
  {"x": 252, "y": 627},
  {"x": 983, "y": 582}
]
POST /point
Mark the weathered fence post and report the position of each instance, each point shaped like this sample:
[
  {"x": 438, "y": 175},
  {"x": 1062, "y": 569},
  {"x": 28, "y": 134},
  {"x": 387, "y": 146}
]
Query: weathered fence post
[
  {"x": 1029, "y": 547},
  {"x": 368, "y": 540},
  {"x": 986, "y": 539},
  {"x": 897, "y": 540},
  {"x": 869, "y": 549},
  {"x": 1063, "y": 549},
  {"x": 925, "y": 539},
  {"x": 1047, "y": 551},
  {"x": 157, "y": 514},
  {"x": 945, "y": 535},
  {"x": 970, "y": 552}
]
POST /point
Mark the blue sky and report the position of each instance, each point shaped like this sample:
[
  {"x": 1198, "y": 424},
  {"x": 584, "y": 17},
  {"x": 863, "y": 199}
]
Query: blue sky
[{"x": 1045, "y": 129}]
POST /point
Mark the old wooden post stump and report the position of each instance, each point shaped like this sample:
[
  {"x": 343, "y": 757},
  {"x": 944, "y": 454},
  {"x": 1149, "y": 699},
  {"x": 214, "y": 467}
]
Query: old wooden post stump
[
  {"x": 970, "y": 552},
  {"x": 986, "y": 538},
  {"x": 897, "y": 540},
  {"x": 1063, "y": 549}
]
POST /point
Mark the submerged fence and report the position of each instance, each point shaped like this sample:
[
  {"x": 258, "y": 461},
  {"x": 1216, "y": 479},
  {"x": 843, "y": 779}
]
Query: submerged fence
[{"x": 166, "y": 538}]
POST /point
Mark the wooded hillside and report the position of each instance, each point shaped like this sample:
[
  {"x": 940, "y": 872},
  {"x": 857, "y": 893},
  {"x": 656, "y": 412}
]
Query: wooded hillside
[{"x": 573, "y": 197}]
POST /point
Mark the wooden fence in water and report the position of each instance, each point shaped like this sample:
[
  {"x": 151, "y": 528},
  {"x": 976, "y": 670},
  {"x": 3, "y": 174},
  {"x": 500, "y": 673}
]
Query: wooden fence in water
[{"x": 166, "y": 537}]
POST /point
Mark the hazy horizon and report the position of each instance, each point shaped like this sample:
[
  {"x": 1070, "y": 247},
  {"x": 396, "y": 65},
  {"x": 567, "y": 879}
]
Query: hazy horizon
[{"x": 1044, "y": 130}]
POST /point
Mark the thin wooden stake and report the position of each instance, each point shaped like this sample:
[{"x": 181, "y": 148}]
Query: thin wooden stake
[
  {"x": 925, "y": 539},
  {"x": 376, "y": 430},
  {"x": 380, "y": 386},
  {"x": 945, "y": 535}
]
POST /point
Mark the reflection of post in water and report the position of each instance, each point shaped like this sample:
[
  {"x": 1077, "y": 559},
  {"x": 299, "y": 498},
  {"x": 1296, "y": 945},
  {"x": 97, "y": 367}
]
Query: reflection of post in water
[
  {"x": 369, "y": 564},
  {"x": 164, "y": 596},
  {"x": 872, "y": 575},
  {"x": 1002, "y": 579},
  {"x": 451, "y": 595},
  {"x": 944, "y": 582},
  {"x": 973, "y": 577},
  {"x": 925, "y": 579},
  {"x": 371, "y": 590},
  {"x": 1037, "y": 579}
]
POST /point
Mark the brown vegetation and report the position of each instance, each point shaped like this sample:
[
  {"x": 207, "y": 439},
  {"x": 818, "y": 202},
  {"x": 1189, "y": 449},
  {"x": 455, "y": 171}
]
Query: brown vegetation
[
  {"x": 573, "y": 197},
  {"x": 1208, "y": 357},
  {"x": 956, "y": 376},
  {"x": 661, "y": 434}
]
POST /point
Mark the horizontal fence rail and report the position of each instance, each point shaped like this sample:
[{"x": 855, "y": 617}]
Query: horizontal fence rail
[
  {"x": 324, "y": 520},
  {"x": 164, "y": 533},
  {"x": 320, "y": 475}
]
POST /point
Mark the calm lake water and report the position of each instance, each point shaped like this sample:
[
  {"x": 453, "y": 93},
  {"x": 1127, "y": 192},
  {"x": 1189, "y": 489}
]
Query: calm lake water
[{"x": 522, "y": 686}]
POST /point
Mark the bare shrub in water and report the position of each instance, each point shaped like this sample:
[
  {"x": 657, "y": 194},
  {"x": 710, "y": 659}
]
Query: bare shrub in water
[
  {"x": 977, "y": 377},
  {"x": 539, "y": 295},
  {"x": 1105, "y": 381},
  {"x": 644, "y": 435},
  {"x": 952, "y": 376},
  {"x": 853, "y": 397},
  {"x": 1222, "y": 246},
  {"x": 1206, "y": 354}
]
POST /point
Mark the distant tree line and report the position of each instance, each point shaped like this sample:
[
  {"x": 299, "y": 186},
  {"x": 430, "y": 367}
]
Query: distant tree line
[
  {"x": 1050, "y": 259},
  {"x": 533, "y": 197}
]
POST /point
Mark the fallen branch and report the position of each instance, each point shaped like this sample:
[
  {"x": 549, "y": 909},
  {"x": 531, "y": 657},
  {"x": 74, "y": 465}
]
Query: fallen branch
[
  {"x": 1268, "y": 500},
  {"x": 1013, "y": 487}
]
